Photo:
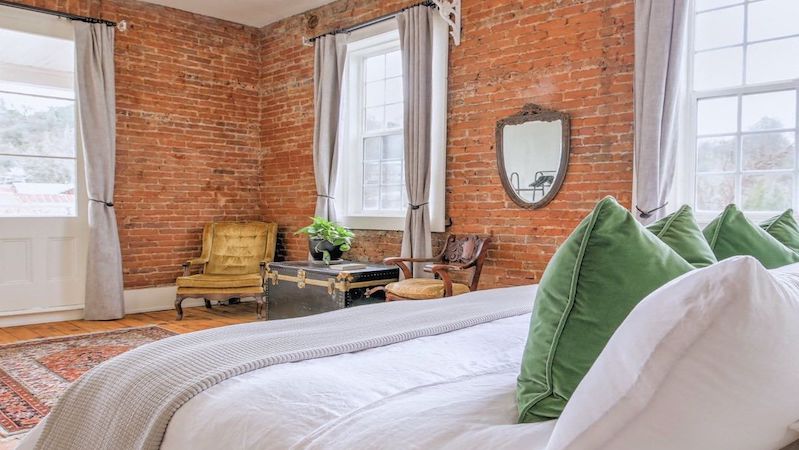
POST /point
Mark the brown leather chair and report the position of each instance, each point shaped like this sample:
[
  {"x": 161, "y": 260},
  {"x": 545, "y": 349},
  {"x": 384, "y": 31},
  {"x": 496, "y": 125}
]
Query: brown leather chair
[
  {"x": 459, "y": 254},
  {"x": 233, "y": 264}
]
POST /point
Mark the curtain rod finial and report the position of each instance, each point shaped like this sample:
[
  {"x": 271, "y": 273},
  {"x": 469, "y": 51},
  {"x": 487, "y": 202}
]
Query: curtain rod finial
[
  {"x": 122, "y": 26},
  {"x": 307, "y": 42}
]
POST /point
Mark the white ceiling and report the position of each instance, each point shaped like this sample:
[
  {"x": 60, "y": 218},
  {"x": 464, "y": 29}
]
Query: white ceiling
[{"x": 256, "y": 13}]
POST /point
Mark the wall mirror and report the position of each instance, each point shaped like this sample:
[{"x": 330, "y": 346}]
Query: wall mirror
[{"x": 532, "y": 154}]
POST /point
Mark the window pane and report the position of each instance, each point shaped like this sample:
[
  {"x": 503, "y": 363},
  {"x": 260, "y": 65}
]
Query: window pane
[
  {"x": 702, "y": 5},
  {"x": 393, "y": 147},
  {"x": 394, "y": 90},
  {"x": 394, "y": 116},
  {"x": 375, "y": 93},
  {"x": 393, "y": 64},
  {"x": 717, "y": 116},
  {"x": 769, "y": 151},
  {"x": 392, "y": 172},
  {"x": 773, "y": 18},
  {"x": 371, "y": 148},
  {"x": 770, "y": 111},
  {"x": 717, "y": 154},
  {"x": 371, "y": 198},
  {"x": 375, "y": 68},
  {"x": 714, "y": 192},
  {"x": 773, "y": 61},
  {"x": 391, "y": 197},
  {"x": 374, "y": 118},
  {"x": 718, "y": 68},
  {"x": 37, "y": 186},
  {"x": 772, "y": 192},
  {"x": 371, "y": 173},
  {"x": 720, "y": 28},
  {"x": 36, "y": 126}
]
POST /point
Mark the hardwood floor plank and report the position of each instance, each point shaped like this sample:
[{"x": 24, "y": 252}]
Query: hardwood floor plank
[{"x": 195, "y": 319}]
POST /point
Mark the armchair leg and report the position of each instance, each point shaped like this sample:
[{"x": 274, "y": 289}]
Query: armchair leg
[
  {"x": 207, "y": 303},
  {"x": 178, "y": 307},
  {"x": 260, "y": 308}
]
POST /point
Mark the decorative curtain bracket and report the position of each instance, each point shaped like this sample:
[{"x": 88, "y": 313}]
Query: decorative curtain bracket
[{"x": 450, "y": 11}]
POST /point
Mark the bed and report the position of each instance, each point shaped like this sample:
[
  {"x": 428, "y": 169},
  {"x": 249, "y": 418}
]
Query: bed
[{"x": 455, "y": 388}]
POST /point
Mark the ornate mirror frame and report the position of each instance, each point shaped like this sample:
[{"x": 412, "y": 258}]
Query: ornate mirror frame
[{"x": 529, "y": 113}]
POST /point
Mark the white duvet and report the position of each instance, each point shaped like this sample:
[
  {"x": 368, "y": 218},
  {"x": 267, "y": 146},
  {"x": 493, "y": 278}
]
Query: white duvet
[{"x": 454, "y": 390}]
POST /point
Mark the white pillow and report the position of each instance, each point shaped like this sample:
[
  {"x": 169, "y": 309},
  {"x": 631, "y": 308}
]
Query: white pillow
[{"x": 708, "y": 361}]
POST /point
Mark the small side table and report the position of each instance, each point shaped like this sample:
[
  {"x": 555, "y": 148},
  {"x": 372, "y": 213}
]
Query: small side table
[{"x": 301, "y": 288}]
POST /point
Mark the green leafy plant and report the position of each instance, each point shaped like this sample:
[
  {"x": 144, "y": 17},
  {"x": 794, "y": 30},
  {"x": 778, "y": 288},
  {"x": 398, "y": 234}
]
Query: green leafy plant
[{"x": 325, "y": 230}]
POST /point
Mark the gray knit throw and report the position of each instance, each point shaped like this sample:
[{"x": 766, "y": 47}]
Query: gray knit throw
[{"x": 128, "y": 401}]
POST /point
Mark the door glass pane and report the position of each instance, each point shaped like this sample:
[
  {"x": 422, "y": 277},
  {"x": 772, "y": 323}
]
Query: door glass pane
[
  {"x": 714, "y": 192},
  {"x": 720, "y": 28},
  {"x": 31, "y": 187},
  {"x": 769, "y": 151},
  {"x": 717, "y": 116},
  {"x": 769, "y": 111},
  {"x": 717, "y": 154},
  {"x": 771, "y": 192},
  {"x": 772, "y": 18},
  {"x": 716, "y": 69},
  {"x": 773, "y": 61},
  {"x": 36, "y": 125}
]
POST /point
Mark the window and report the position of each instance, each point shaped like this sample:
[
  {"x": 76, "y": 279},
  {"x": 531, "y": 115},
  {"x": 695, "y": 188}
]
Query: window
[
  {"x": 744, "y": 88},
  {"x": 371, "y": 190},
  {"x": 38, "y": 158}
]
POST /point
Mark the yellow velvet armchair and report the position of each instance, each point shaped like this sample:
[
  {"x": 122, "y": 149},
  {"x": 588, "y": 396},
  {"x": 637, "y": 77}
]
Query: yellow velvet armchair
[{"x": 233, "y": 264}]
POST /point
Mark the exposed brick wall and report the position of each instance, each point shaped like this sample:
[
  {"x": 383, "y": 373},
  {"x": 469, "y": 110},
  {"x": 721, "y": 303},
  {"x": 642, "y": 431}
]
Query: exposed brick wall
[
  {"x": 570, "y": 55},
  {"x": 187, "y": 130}
]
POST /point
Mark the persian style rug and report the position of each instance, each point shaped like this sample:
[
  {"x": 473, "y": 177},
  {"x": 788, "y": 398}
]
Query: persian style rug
[{"x": 33, "y": 374}]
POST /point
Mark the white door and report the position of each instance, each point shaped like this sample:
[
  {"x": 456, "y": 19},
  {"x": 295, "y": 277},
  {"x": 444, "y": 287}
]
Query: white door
[{"x": 43, "y": 225}]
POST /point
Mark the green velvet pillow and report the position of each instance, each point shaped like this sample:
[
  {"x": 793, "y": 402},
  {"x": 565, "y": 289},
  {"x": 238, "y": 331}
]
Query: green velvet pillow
[
  {"x": 680, "y": 231},
  {"x": 784, "y": 229},
  {"x": 732, "y": 234},
  {"x": 606, "y": 266}
]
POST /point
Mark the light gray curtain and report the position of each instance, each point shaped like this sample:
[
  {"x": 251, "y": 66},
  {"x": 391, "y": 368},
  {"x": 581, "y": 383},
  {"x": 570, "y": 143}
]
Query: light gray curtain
[
  {"x": 329, "y": 56},
  {"x": 94, "y": 66},
  {"x": 416, "y": 42},
  {"x": 660, "y": 55}
]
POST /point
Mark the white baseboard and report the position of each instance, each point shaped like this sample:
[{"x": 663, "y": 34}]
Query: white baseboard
[{"x": 136, "y": 301}]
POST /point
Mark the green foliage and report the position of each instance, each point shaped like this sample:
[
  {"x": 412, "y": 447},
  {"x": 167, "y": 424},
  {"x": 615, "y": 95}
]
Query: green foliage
[{"x": 326, "y": 230}]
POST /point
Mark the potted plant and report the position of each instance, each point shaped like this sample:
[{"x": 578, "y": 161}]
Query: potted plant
[{"x": 327, "y": 240}]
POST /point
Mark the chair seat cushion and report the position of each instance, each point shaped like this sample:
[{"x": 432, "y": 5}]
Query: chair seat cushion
[
  {"x": 220, "y": 281},
  {"x": 423, "y": 289}
]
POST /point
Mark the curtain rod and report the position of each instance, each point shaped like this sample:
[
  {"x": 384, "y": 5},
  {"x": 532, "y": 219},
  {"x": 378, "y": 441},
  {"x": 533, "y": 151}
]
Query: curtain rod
[
  {"x": 57, "y": 13},
  {"x": 428, "y": 3}
]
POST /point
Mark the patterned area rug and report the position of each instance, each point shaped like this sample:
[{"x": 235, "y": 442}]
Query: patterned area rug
[{"x": 33, "y": 374}]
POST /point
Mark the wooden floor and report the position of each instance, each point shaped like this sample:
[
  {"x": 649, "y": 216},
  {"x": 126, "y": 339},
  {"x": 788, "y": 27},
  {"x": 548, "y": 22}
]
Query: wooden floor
[{"x": 194, "y": 319}]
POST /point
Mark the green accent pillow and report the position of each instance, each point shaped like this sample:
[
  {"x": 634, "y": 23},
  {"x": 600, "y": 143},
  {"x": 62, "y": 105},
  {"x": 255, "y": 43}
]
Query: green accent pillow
[
  {"x": 606, "y": 266},
  {"x": 732, "y": 234},
  {"x": 784, "y": 229},
  {"x": 680, "y": 231}
]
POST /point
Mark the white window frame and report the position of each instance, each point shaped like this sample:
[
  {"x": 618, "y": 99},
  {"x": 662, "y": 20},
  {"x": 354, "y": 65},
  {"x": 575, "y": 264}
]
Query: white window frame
[
  {"x": 380, "y": 38},
  {"x": 25, "y": 22},
  {"x": 684, "y": 190}
]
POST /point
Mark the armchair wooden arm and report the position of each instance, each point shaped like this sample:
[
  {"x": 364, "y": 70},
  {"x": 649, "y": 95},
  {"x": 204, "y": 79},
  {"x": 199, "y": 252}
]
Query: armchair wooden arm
[
  {"x": 193, "y": 262},
  {"x": 402, "y": 263},
  {"x": 442, "y": 271}
]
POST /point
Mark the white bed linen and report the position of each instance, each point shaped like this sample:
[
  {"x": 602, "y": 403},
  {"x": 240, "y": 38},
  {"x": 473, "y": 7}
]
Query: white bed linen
[{"x": 454, "y": 390}]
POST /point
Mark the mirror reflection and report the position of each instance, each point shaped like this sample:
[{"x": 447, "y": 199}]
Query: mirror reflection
[{"x": 533, "y": 153}]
